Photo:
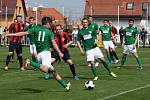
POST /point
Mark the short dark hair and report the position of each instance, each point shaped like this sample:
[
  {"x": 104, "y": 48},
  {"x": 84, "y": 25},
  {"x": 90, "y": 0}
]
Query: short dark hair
[
  {"x": 18, "y": 16},
  {"x": 85, "y": 18},
  {"x": 131, "y": 20},
  {"x": 106, "y": 20},
  {"x": 32, "y": 18},
  {"x": 46, "y": 20},
  {"x": 90, "y": 16}
]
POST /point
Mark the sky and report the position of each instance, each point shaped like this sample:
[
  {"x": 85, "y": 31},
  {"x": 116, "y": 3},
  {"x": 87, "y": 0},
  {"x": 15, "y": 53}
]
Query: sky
[{"x": 74, "y": 9}]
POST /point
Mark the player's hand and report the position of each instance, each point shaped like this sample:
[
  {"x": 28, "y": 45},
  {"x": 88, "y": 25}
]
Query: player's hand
[
  {"x": 122, "y": 46},
  {"x": 61, "y": 55},
  {"x": 134, "y": 46},
  {"x": 82, "y": 53},
  {"x": 65, "y": 46}
]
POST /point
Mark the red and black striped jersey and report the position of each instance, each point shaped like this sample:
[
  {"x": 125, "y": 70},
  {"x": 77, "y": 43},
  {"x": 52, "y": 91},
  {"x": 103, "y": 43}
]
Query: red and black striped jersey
[
  {"x": 61, "y": 40},
  {"x": 14, "y": 28}
]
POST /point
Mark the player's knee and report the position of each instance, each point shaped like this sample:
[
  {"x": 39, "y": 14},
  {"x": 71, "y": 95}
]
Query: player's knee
[
  {"x": 19, "y": 55},
  {"x": 10, "y": 53}
]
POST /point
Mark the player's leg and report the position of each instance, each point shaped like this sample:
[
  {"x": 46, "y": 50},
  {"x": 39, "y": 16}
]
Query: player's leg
[
  {"x": 11, "y": 49},
  {"x": 134, "y": 52},
  {"x": 33, "y": 52},
  {"x": 98, "y": 54},
  {"x": 112, "y": 48},
  {"x": 68, "y": 59},
  {"x": 90, "y": 59},
  {"x": 19, "y": 55},
  {"x": 106, "y": 47},
  {"x": 46, "y": 67},
  {"x": 124, "y": 55}
]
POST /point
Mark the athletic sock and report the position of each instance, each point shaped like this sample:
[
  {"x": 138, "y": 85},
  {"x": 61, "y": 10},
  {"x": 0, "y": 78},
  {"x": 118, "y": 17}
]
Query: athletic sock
[
  {"x": 20, "y": 60},
  {"x": 107, "y": 66},
  {"x": 94, "y": 70},
  {"x": 111, "y": 56},
  {"x": 123, "y": 60},
  {"x": 114, "y": 53},
  {"x": 62, "y": 82},
  {"x": 108, "y": 56},
  {"x": 72, "y": 68},
  {"x": 34, "y": 64},
  {"x": 8, "y": 60},
  {"x": 139, "y": 61}
]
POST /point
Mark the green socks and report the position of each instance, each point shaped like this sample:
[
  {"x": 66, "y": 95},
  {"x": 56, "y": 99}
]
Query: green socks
[
  {"x": 34, "y": 64},
  {"x": 106, "y": 65},
  {"x": 63, "y": 83},
  {"x": 123, "y": 60},
  {"x": 139, "y": 61},
  {"x": 94, "y": 70},
  {"x": 108, "y": 56}
]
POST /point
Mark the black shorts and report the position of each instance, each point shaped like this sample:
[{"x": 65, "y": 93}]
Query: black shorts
[
  {"x": 55, "y": 55},
  {"x": 66, "y": 55},
  {"x": 15, "y": 47}
]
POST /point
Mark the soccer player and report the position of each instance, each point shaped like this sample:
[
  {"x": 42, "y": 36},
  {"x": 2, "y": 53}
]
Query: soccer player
[
  {"x": 43, "y": 38},
  {"x": 129, "y": 43},
  {"x": 93, "y": 25},
  {"x": 15, "y": 42},
  {"x": 33, "y": 52},
  {"x": 105, "y": 30},
  {"x": 63, "y": 41},
  {"x": 88, "y": 37}
]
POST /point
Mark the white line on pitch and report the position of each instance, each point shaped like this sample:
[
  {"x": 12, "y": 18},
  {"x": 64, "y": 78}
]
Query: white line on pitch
[{"x": 124, "y": 92}]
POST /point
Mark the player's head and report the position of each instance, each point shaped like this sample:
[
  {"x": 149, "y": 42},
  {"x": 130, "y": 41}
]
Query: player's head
[
  {"x": 90, "y": 19},
  {"x": 31, "y": 20},
  {"x": 19, "y": 18},
  {"x": 46, "y": 21},
  {"x": 131, "y": 22},
  {"x": 110, "y": 23},
  {"x": 85, "y": 23},
  {"x": 106, "y": 22},
  {"x": 59, "y": 28}
]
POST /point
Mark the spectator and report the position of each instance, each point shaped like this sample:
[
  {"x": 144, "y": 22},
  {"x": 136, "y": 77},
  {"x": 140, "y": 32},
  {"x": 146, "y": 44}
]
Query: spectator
[
  {"x": 121, "y": 33},
  {"x": 143, "y": 36},
  {"x": 1, "y": 32},
  {"x": 74, "y": 35}
]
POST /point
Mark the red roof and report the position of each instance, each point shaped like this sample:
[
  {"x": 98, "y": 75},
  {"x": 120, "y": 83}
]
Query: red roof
[
  {"x": 11, "y": 6},
  {"x": 47, "y": 12},
  {"x": 110, "y": 7}
]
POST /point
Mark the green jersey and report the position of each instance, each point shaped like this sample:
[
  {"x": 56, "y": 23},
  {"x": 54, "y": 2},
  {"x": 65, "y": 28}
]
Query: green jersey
[
  {"x": 130, "y": 34},
  {"x": 93, "y": 26},
  {"x": 88, "y": 38},
  {"x": 31, "y": 37},
  {"x": 42, "y": 37},
  {"x": 106, "y": 33}
]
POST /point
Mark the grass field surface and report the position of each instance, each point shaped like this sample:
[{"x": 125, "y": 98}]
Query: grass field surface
[{"x": 131, "y": 83}]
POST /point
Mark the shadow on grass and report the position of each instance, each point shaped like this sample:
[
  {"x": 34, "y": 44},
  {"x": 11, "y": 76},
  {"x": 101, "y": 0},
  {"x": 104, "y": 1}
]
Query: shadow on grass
[{"x": 31, "y": 90}]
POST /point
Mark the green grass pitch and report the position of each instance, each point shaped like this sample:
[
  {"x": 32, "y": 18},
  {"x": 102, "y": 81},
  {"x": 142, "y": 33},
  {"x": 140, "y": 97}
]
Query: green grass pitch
[{"x": 131, "y": 83}]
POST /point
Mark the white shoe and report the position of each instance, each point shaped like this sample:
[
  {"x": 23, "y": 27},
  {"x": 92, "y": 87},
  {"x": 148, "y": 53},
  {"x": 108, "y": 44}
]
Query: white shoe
[
  {"x": 89, "y": 65},
  {"x": 113, "y": 75},
  {"x": 117, "y": 61},
  {"x": 6, "y": 68},
  {"x": 68, "y": 87},
  {"x": 96, "y": 64}
]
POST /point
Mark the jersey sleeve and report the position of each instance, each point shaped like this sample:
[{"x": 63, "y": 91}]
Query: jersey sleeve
[
  {"x": 79, "y": 36},
  {"x": 67, "y": 36},
  {"x": 51, "y": 35}
]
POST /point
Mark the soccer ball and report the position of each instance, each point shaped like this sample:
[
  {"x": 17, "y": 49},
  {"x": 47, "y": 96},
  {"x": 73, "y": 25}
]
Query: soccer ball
[{"x": 89, "y": 85}]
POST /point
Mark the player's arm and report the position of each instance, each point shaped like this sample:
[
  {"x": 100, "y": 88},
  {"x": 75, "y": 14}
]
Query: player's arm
[
  {"x": 18, "y": 34},
  {"x": 69, "y": 43},
  {"x": 80, "y": 48},
  {"x": 56, "y": 48}
]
